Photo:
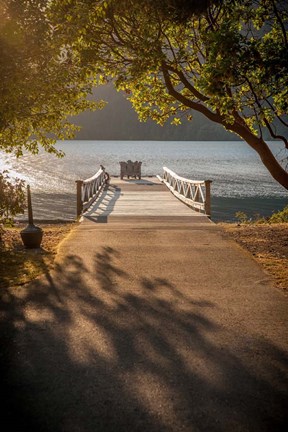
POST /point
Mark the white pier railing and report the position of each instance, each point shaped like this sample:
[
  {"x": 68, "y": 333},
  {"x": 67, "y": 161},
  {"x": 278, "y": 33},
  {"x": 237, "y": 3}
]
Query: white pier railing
[
  {"x": 196, "y": 194},
  {"x": 89, "y": 189}
]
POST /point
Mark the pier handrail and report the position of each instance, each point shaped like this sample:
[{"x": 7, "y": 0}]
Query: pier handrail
[
  {"x": 89, "y": 189},
  {"x": 194, "y": 193}
]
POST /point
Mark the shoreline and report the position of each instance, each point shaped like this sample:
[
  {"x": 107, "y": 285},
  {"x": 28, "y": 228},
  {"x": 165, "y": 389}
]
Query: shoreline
[{"x": 62, "y": 207}]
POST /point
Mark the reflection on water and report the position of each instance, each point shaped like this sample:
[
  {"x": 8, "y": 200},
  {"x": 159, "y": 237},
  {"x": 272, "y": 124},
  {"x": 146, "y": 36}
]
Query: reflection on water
[{"x": 234, "y": 168}]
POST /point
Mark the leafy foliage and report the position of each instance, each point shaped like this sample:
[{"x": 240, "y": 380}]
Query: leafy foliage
[
  {"x": 279, "y": 217},
  {"x": 226, "y": 59},
  {"x": 242, "y": 217},
  {"x": 41, "y": 81},
  {"x": 12, "y": 197},
  {"x": 177, "y": 10},
  {"x": 228, "y": 62}
]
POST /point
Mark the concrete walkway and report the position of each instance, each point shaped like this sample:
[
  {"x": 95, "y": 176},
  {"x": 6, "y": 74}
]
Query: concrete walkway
[{"x": 156, "y": 323}]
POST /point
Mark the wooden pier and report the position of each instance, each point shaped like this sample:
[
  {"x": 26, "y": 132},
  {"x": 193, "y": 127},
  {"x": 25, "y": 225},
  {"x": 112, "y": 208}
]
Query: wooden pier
[{"x": 166, "y": 196}]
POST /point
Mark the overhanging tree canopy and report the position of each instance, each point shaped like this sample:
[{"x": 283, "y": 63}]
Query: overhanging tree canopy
[
  {"x": 41, "y": 84},
  {"x": 230, "y": 63}
]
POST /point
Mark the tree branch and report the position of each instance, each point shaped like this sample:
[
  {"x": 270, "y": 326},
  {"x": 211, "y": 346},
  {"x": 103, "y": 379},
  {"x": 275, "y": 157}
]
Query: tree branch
[
  {"x": 187, "y": 102},
  {"x": 280, "y": 22},
  {"x": 267, "y": 124},
  {"x": 187, "y": 84}
]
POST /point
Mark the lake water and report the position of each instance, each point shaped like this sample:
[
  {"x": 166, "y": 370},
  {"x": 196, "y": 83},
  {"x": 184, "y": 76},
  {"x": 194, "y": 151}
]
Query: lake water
[{"x": 240, "y": 181}]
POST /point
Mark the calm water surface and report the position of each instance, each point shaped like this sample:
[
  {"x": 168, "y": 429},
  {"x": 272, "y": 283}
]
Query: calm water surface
[{"x": 240, "y": 181}]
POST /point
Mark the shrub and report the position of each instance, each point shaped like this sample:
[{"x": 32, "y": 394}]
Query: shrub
[
  {"x": 242, "y": 217},
  {"x": 280, "y": 216},
  {"x": 12, "y": 197}
]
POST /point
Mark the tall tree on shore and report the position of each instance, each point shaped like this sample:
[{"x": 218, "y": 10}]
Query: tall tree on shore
[
  {"x": 228, "y": 62},
  {"x": 40, "y": 83}
]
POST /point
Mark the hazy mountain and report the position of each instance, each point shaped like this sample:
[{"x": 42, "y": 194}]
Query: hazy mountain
[{"x": 118, "y": 121}]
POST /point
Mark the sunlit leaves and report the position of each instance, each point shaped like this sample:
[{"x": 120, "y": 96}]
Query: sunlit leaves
[
  {"x": 42, "y": 82},
  {"x": 12, "y": 196},
  {"x": 226, "y": 60}
]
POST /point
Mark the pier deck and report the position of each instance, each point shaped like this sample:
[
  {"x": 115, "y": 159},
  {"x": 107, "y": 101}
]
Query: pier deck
[{"x": 147, "y": 197}]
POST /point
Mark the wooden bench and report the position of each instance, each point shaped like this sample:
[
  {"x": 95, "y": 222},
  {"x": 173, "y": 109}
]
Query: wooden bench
[{"x": 130, "y": 169}]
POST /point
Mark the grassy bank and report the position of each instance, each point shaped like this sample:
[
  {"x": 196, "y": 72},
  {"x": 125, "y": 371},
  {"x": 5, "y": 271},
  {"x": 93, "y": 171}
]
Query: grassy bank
[{"x": 19, "y": 265}]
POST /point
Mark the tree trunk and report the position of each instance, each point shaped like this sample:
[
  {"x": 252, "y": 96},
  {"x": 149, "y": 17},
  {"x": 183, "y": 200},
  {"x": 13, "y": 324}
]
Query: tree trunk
[
  {"x": 239, "y": 127},
  {"x": 263, "y": 150}
]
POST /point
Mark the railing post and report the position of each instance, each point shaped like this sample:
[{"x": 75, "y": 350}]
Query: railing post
[
  {"x": 197, "y": 198},
  {"x": 79, "y": 184},
  {"x": 208, "y": 197}
]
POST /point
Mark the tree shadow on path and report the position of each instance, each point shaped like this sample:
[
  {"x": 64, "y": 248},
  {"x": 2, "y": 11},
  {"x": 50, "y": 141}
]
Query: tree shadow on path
[{"x": 100, "y": 349}]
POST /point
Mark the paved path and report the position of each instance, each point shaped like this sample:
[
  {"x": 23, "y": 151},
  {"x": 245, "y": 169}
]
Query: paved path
[{"x": 155, "y": 323}]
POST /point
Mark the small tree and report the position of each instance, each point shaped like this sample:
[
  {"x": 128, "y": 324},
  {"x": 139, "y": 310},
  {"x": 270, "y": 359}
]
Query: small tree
[{"x": 12, "y": 197}]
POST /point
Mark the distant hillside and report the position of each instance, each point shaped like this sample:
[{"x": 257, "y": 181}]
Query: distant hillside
[{"x": 118, "y": 121}]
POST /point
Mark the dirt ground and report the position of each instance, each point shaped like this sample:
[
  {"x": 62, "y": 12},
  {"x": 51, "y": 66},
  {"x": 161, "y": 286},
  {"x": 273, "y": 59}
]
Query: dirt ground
[
  {"x": 268, "y": 243},
  {"x": 19, "y": 265}
]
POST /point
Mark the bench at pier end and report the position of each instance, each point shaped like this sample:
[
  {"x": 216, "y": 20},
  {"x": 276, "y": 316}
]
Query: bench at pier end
[{"x": 130, "y": 169}]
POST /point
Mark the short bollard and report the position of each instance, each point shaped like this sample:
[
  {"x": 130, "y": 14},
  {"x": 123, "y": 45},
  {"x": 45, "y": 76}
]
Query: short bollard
[{"x": 31, "y": 235}]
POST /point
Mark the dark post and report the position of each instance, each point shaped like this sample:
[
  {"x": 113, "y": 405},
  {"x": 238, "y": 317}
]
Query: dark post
[
  {"x": 79, "y": 184},
  {"x": 208, "y": 198},
  {"x": 29, "y": 204},
  {"x": 31, "y": 235}
]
